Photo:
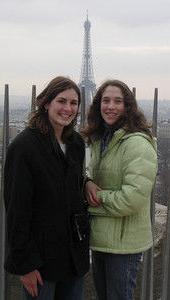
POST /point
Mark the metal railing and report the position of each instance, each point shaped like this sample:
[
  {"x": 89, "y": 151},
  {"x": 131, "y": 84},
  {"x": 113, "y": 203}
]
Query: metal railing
[
  {"x": 2, "y": 209},
  {"x": 148, "y": 258}
]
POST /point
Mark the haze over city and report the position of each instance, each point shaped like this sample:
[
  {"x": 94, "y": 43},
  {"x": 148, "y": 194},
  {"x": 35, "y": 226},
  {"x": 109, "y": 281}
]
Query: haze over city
[{"x": 42, "y": 39}]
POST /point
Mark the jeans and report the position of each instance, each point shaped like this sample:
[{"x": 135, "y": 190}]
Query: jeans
[
  {"x": 115, "y": 275},
  {"x": 70, "y": 290}
]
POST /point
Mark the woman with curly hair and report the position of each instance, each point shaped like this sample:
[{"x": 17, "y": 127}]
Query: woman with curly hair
[{"x": 122, "y": 172}]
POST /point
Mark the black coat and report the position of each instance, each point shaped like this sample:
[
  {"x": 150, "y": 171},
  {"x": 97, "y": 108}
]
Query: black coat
[{"x": 47, "y": 223}]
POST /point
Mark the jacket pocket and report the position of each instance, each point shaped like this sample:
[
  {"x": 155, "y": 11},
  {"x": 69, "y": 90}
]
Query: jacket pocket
[
  {"x": 80, "y": 227},
  {"x": 53, "y": 243}
]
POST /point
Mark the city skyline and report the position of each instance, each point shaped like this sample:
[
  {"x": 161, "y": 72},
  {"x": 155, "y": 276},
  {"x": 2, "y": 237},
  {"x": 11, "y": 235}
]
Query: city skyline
[{"x": 130, "y": 42}]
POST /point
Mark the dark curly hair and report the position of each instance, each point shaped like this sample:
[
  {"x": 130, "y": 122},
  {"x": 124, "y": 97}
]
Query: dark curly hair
[
  {"x": 39, "y": 119},
  {"x": 132, "y": 121}
]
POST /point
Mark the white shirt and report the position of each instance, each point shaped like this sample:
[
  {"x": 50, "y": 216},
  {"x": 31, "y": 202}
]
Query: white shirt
[{"x": 63, "y": 147}]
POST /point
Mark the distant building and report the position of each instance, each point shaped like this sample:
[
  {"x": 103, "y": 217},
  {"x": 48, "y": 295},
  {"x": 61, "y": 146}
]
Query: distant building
[
  {"x": 164, "y": 129},
  {"x": 87, "y": 76}
]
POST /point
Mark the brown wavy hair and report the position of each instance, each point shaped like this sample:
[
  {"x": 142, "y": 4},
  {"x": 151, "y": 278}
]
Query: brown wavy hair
[
  {"x": 132, "y": 121},
  {"x": 39, "y": 119}
]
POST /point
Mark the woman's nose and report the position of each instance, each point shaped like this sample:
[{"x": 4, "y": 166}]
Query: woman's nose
[
  {"x": 67, "y": 106},
  {"x": 111, "y": 104}
]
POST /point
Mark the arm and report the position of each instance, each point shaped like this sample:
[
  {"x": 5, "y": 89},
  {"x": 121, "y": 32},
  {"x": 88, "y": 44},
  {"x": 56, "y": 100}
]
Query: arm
[
  {"x": 91, "y": 190},
  {"x": 23, "y": 254},
  {"x": 30, "y": 281},
  {"x": 88, "y": 186},
  {"x": 139, "y": 165}
]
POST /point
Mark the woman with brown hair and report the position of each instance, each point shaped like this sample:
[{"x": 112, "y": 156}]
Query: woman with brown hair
[
  {"x": 47, "y": 224},
  {"x": 122, "y": 171}
]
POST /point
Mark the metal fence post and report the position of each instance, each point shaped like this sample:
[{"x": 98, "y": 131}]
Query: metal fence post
[
  {"x": 166, "y": 257},
  {"x": 148, "y": 258},
  {"x": 134, "y": 91},
  {"x": 2, "y": 209},
  {"x": 83, "y": 107},
  {"x": 155, "y": 113},
  {"x": 33, "y": 99}
]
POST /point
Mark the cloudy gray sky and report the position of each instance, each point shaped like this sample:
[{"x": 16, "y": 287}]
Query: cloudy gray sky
[{"x": 40, "y": 39}]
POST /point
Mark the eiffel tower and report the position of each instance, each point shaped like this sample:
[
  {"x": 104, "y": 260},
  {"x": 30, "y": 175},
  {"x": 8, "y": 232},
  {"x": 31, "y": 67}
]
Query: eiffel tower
[{"x": 87, "y": 76}]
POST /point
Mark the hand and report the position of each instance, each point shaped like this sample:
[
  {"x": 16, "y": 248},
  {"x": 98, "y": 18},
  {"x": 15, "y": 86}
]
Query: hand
[
  {"x": 30, "y": 282},
  {"x": 91, "y": 190}
]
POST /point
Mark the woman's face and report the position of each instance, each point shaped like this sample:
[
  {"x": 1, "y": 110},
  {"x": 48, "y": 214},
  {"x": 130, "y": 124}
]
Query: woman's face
[
  {"x": 112, "y": 105},
  {"x": 63, "y": 108}
]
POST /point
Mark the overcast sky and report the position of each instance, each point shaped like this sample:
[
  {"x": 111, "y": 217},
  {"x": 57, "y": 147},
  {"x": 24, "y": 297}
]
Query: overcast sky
[{"x": 40, "y": 39}]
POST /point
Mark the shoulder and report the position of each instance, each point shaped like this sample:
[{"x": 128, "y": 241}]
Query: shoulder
[
  {"x": 139, "y": 141},
  {"x": 76, "y": 145},
  {"x": 139, "y": 147},
  {"x": 22, "y": 142},
  {"x": 77, "y": 139}
]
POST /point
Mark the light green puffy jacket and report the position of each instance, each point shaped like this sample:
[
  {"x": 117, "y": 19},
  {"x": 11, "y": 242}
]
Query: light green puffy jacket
[{"x": 126, "y": 174}]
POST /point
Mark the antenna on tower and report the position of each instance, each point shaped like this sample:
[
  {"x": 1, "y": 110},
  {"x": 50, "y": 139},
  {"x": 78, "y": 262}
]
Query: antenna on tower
[
  {"x": 87, "y": 14},
  {"x": 87, "y": 82}
]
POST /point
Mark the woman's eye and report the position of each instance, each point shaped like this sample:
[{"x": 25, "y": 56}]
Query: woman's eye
[
  {"x": 119, "y": 101},
  {"x": 74, "y": 103},
  {"x": 61, "y": 100},
  {"x": 105, "y": 100}
]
